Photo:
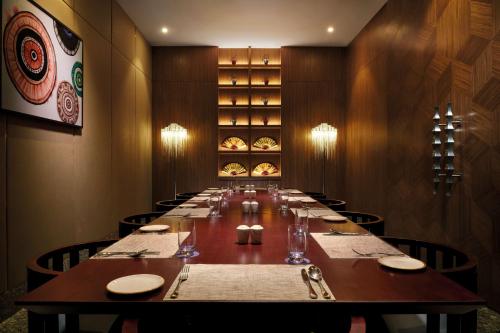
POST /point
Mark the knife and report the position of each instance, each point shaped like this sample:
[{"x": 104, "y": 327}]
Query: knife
[
  {"x": 345, "y": 233},
  {"x": 305, "y": 277}
]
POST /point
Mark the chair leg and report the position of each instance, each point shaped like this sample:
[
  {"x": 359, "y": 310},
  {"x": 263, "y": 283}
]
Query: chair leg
[
  {"x": 466, "y": 323},
  {"x": 72, "y": 323},
  {"x": 432, "y": 323},
  {"x": 35, "y": 322}
]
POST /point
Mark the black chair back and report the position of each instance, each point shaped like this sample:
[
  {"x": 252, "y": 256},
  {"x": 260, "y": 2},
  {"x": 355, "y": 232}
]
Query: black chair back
[
  {"x": 131, "y": 223},
  {"x": 168, "y": 205},
  {"x": 371, "y": 222},
  {"x": 334, "y": 204},
  {"x": 316, "y": 195}
]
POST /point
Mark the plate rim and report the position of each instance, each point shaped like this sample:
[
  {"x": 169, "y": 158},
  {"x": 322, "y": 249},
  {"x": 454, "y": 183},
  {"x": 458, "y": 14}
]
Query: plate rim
[
  {"x": 382, "y": 259},
  {"x": 340, "y": 218},
  {"x": 160, "y": 284},
  {"x": 166, "y": 227}
]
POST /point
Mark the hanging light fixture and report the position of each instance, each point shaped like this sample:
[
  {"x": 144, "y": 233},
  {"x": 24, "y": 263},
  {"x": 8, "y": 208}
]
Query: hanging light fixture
[
  {"x": 324, "y": 138},
  {"x": 173, "y": 138}
]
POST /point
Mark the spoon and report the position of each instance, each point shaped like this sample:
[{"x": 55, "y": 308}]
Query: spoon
[{"x": 315, "y": 274}]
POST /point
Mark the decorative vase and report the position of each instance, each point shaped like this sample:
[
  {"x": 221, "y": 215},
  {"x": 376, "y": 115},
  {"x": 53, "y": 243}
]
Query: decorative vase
[
  {"x": 233, "y": 60},
  {"x": 233, "y": 121},
  {"x": 233, "y": 81},
  {"x": 265, "y": 100},
  {"x": 265, "y": 120},
  {"x": 233, "y": 101},
  {"x": 265, "y": 59},
  {"x": 266, "y": 81}
]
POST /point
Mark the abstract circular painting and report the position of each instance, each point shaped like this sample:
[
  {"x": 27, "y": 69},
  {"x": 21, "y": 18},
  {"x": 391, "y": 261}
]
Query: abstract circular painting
[
  {"x": 29, "y": 57},
  {"x": 67, "y": 103},
  {"x": 67, "y": 39},
  {"x": 77, "y": 77}
]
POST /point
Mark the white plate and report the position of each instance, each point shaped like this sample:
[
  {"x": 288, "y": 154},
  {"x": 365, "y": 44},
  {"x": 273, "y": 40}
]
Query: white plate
[
  {"x": 294, "y": 191},
  {"x": 203, "y": 195},
  {"x": 135, "y": 284},
  {"x": 212, "y": 188},
  {"x": 334, "y": 218},
  {"x": 153, "y": 228},
  {"x": 310, "y": 200},
  {"x": 404, "y": 263},
  {"x": 188, "y": 205}
]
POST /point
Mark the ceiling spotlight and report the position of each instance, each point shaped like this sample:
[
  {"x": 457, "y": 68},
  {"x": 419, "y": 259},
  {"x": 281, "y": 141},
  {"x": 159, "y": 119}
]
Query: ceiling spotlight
[
  {"x": 330, "y": 30},
  {"x": 164, "y": 30}
]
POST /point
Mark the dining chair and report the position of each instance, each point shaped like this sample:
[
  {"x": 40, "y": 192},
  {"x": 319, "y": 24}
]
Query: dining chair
[
  {"x": 167, "y": 205},
  {"x": 334, "y": 204},
  {"x": 131, "y": 223},
  {"x": 371, "y": 222},
  {"x": 186, "y": 195},
  {"x": 449, "y": 261},
  {"x": 50, "y": 265},
  {"x": 316, "y": 195}
]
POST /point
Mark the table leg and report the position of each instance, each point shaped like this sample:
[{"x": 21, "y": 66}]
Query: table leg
[
  {"x": 432, "y": 323},
  {"x": 466, "y": 323}
]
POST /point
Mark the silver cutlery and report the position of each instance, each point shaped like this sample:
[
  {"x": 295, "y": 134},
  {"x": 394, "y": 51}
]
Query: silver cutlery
[
  {"x": 370, "y": 254},
  {"x": 346, "y": 233},
  {"x": 182, "y": 277},
  {"x": 316, "y": 275},
  {"x": 305, "y": 277},
  {"x": 133, "y": 254}
]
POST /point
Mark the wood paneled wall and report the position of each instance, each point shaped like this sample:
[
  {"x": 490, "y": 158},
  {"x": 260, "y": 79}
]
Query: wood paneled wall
[
  {"x": 60, "y": 185},
  {"x": 185, "y": 91},
  {"x": 313, "y": 92},
  {"x": 412, "y": 56}
]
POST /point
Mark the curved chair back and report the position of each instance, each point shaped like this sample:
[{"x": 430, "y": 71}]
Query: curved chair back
[
  {"x": 48, "y": 266},
  {"x": 131, "y": 223},
  {"x": 334, "y": 204},
  {"x": 453, "y": 263},
  {"x": 168, "y": 205},
  {"x": 449, "y": 261},
  {"x": 371, "y": 222},
  {"x": 316, "y": 195},
  {"x": 186, "y": 195}
]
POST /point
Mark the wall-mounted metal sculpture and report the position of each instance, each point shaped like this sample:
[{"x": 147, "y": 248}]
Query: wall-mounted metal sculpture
[{"x": 443, "y": 164}]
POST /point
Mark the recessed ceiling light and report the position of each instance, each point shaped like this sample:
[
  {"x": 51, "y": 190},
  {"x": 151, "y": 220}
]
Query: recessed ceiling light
[
  {"x": 164, "y": 30},
  {"x": 330, "y": 30}
]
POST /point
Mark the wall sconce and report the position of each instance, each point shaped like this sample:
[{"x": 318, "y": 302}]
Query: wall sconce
[
  {"x": 173, "y": 139},
  {"x": 443, "y": 164},
  {"x": 324, "y": 138}
]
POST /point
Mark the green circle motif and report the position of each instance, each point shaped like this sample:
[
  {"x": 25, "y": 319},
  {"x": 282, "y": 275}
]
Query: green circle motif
[{"x": 77, "y": 78}]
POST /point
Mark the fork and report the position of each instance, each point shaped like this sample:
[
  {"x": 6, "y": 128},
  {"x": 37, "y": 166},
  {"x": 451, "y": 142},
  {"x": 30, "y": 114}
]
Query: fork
[
  {"x": 369, "y": 254},
  {"x": 183, "y": 277}
]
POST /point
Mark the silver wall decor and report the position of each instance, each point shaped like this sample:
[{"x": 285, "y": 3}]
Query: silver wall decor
[{"x": 443, "y": 163}]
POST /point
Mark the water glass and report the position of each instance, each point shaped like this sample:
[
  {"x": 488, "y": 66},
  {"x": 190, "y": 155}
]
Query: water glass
[
  {"x": 214, "y": 204},
  {"x": 284, "y": 201},
  {"x": 186, "y": 232},
  {"x": 302, "y": 220},
  {"x": 297, "y": 245}
]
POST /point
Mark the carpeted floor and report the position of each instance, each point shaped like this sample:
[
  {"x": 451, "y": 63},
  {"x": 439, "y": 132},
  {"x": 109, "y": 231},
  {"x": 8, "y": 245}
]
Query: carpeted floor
[{"x": 488, "y": 322}]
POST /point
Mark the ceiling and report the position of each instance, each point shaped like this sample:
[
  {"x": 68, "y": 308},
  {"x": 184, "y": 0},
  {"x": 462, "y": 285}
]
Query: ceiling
[{"x": 256, "y": 23}]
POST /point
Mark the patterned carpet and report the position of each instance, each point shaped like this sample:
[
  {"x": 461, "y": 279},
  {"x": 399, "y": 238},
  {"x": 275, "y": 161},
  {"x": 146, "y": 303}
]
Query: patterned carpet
[{"x": 488, "y": 322}]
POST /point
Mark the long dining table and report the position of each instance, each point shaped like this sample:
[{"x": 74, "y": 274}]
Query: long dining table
[{"x": 359, "y": 285}]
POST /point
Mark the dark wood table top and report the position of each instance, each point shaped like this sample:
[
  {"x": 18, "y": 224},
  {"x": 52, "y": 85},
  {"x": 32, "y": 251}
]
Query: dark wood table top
[{"x": 358, "y": 284}]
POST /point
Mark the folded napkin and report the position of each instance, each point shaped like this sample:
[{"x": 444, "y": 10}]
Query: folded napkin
[
  {"x": 338, "y": 246},
  {"x": 245, "y": 283},
  {"x": 298, "y": 198},
  {"x": 167, "y": 244}
]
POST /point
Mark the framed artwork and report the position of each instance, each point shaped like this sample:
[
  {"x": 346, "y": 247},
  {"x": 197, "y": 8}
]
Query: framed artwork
[{"x": 42, "y": 64}]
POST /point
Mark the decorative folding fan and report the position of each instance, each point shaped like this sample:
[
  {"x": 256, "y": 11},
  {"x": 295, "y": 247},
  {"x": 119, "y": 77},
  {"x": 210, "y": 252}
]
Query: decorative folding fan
[
  {"x": 233, "y": 169},
  {"x": 265, "y": 142},
  {"x": 234, "y": 143},
  {"x": 265, "y": 169}
]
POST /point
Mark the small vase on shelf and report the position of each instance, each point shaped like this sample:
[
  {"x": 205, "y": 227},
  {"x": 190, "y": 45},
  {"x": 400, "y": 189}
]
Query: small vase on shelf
[
  {"x": 265, "y": 59},
  {"x": 233, "y": 121},
  {"x": 266, "y": 81},
  {"x": 233, "y": 80},
  {"x": 233, "y": 101},
  {"x": 233, "y": 60},
  {"x": 265, "y": 120},
  {"x": 265, "y": 100}
]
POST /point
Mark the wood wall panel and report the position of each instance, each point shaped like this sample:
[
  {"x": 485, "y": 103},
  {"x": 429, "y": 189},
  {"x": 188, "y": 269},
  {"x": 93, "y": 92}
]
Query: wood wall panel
[
  {"x": 430, "y": 52},
  {"x": 58, "y": 185},
  {"x": 185, "y": 92},
  {"x": 313, "y": 91}
]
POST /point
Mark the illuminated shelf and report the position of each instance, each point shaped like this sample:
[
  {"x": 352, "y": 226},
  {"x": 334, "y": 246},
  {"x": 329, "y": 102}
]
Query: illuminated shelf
[{"x": 249, "y": 114}]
